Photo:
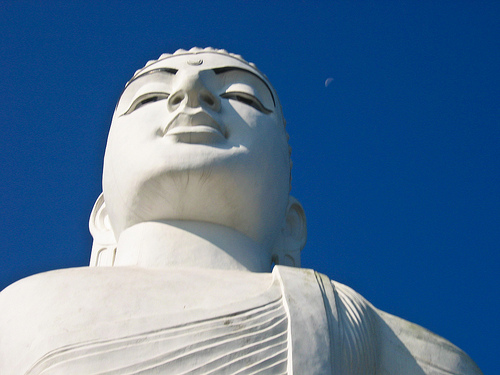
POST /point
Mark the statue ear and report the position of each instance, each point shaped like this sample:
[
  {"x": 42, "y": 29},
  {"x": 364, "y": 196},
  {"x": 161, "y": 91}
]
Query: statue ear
[
  {"x": 104, "y": 246},
  {"x": 293, "y": 235}
]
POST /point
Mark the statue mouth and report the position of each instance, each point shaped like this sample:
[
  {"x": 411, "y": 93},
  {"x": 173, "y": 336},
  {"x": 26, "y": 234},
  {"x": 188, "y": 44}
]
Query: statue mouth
[{"x": 197, "y": 127}]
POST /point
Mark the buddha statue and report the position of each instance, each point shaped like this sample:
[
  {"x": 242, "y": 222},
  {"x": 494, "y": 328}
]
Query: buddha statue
[{"x": 195, "y": 266}]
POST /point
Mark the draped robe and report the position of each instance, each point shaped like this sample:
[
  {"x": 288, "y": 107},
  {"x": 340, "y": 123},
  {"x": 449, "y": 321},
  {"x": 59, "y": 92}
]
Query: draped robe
[{"x": 125, "y": 320}]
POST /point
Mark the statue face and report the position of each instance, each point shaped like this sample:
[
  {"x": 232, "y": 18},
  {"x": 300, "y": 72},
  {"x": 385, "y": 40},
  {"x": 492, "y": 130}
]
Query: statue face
[{"x": 198, "y": 137}]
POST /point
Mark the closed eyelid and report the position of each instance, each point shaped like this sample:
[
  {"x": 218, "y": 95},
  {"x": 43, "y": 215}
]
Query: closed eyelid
[
  {"x": 231, "y": 68},
  {"x": 247, "y": 99},
  {"x": 145, "y": 99}
]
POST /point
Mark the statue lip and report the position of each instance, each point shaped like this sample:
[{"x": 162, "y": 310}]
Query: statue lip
[{"x": 197, "y": 122}]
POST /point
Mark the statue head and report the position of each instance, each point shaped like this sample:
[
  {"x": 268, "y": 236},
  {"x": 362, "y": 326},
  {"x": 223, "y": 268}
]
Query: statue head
[{"x": 200, "y": 135}]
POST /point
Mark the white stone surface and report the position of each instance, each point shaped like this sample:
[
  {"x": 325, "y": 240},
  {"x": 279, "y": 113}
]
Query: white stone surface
[{"x": 195, "y": 210}]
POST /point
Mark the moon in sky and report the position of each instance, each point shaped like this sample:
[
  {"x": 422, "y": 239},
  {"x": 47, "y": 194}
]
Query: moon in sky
[{"x": 328, "y": 81}]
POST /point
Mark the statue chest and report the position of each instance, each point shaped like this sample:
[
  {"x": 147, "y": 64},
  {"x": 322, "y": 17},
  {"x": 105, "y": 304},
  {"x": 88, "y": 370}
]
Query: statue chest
[{"x": 133, "y": 321}]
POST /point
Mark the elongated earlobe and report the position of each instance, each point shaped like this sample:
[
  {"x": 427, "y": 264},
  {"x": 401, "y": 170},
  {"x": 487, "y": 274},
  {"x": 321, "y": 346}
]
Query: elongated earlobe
[
  {"x": 293, "y": 236},
  {"x": 104, "y": 245}
]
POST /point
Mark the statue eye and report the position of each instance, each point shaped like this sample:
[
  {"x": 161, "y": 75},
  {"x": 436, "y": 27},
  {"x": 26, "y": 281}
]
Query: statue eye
[
  {"x": 145, "y": 99},
  {"x": 247, "y": 99}
]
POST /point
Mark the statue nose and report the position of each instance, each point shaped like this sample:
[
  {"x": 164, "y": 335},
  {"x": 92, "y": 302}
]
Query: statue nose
[{"x": 192, "y": 93}]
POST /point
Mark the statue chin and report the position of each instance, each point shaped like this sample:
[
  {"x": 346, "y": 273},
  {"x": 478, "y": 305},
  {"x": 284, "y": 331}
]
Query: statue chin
[
  {"x": 195, "y": 265},
  {"x": 206, "y": 194}
]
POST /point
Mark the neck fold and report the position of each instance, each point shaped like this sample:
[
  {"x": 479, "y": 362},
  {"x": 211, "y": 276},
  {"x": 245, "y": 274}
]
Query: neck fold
[{"x": 177, "y": 243}]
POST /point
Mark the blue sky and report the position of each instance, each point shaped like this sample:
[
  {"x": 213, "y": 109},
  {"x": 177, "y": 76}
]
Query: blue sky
[{"x": 396, "y": 162}]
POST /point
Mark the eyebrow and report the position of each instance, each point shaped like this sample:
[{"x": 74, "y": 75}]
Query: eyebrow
[
  {"x": 230, "y": 68},
  {"x": 159, "y": 70}
]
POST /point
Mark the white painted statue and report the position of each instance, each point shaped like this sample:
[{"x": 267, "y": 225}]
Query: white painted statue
[{"x": 195, "y": 210}]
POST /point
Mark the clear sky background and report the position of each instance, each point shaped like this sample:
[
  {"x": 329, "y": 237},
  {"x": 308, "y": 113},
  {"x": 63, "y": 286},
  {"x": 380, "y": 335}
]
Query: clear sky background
[{"x": 396, "y": 162}]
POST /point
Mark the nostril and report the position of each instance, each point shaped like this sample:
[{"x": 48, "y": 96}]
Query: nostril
[
  {"x": 176, "y": 100},
  {"x": 207, "y": 99}
]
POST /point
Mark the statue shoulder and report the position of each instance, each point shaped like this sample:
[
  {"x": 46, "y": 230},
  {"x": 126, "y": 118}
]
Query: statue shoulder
[
  {"x": 41, "y": 288},
  {"x": 399, "y": 346},
  {"x": 35, "y": 289},
  {"x": 24, "y": 310},
  {"x": 419, "y": 349},
  {"x": 39, "y": 312}
]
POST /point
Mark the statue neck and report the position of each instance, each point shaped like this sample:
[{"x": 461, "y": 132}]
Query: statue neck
[{"x": 177, "y": 243}]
